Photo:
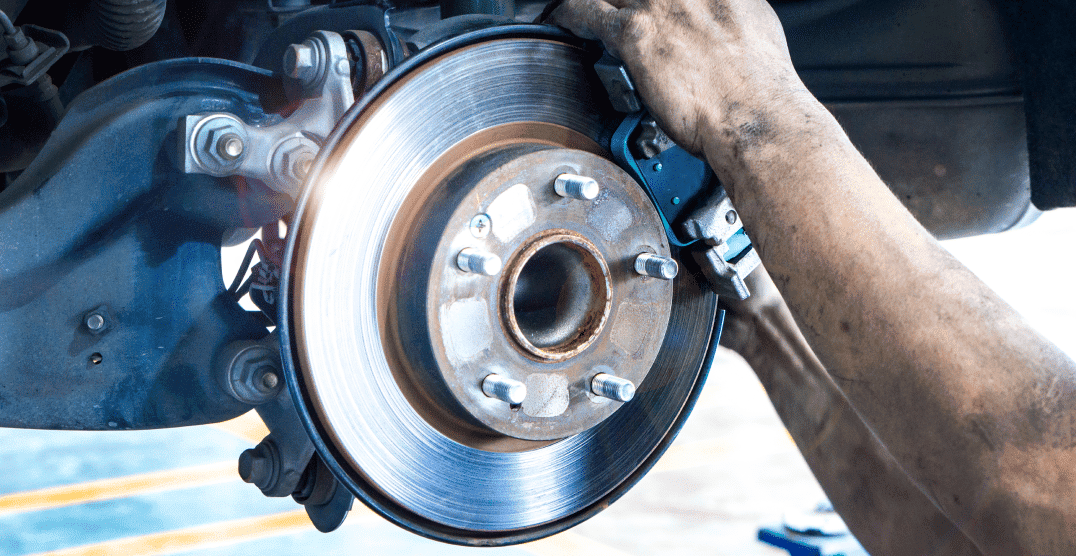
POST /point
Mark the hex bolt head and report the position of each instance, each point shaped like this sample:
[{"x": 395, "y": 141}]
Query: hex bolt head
[
  {"x": 576, "y": 187},
  {"x": 95, "y": 322},
  {"x": 301, "y": 61},
  {"x": 230, "y": 146},
  {"x": 612, "y": 387},
  {"x": 505, "y": 389},
  {"x": 481, "y": 225},
  {"x": 478, "y": 262},
  {"x": 656, "y": 266}
]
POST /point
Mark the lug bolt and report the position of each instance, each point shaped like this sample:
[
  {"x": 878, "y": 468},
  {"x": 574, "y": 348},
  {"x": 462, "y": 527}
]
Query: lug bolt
[
  {"x": 505, "y": 389},
  {"x": 95, "y": 322},
  {"x": 656, "y": 266},
  {"x": 576, "y": 187},
  {"x": 230, "y": 146},
  {"x": 479, "y": 262},
  {"x": 612, "y": 387}
]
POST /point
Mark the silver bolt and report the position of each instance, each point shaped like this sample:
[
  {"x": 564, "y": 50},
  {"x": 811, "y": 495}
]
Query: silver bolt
[
  {"x": 479, "y": 262},
  {"x": 656, "y": 266},
  {"x": 480, "y": 226},
  {"x": 95, "y": 322},
  {"x": 230, "y": 146},
  {"x": 730, "y": 217},
  {"x": 504, "y": 389},
  {"x": 576, "y": 187},
  {"x": 300, "y": 62},
  {"x": 612, "y": 387}
]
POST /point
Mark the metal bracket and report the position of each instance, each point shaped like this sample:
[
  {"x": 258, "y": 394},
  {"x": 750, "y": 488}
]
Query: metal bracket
[
  {"x": 44, "y": 45},
  {"x": 729, "y": 255},
  {"x": 280, "y": 155},
  {"x": 676, "y": 182}
]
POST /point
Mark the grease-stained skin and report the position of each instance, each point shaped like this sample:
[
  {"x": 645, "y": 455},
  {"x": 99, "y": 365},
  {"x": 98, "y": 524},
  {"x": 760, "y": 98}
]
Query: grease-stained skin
[{"x": 935, "y": 418}]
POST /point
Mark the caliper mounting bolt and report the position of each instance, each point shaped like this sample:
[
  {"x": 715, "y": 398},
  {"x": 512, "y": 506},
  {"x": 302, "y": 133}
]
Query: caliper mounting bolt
[
  {"x": 656, "y": 266},
  {"x": 576, "y": 187},
  {"x": 478, "y": 262},
  {"x": 505, "y": 389},
  {"x": 612, "y": 387}
]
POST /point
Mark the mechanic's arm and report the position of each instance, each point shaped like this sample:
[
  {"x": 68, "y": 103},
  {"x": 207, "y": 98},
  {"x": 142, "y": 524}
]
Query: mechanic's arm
[
  {"x": 879, "y": 503},
  {"x": 975, "y": 406}
]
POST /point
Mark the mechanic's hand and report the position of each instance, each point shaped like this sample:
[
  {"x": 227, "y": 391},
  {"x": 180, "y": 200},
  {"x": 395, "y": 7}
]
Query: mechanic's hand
[{"x": 708, "y": 70}]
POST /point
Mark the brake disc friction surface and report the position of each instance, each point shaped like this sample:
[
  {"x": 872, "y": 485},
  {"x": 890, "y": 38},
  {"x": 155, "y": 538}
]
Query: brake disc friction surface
[{"x": 345, "y": 255}]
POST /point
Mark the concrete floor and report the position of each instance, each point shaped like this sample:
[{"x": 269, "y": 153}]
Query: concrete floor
[{"x": 732, "y": 469}]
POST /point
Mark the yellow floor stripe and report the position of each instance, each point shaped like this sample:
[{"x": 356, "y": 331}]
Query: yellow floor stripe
[
  {"x": 120, "y": 487},
  {"x": 247, "y": 426},
  {"x": 213, "y": 535}
]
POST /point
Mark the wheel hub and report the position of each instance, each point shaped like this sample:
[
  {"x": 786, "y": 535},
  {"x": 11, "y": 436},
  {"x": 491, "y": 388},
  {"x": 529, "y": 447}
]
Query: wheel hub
[
  {"x": 462, "y": 324},
  {"x": 566, "y": 305}
]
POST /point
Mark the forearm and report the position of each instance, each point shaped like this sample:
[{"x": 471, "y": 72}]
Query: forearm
[
  {"x": 877, "y": 500},
  {"x": 974, "y": 406}
]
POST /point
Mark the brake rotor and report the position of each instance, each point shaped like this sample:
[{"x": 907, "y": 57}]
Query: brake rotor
[{"x": 432, "y": 250}]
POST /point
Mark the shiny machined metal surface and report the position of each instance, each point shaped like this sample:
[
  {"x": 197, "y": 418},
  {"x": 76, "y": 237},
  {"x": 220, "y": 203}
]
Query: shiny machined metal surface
[
  {"x": 566, "y": 306},
  {"x": 345, "y": 258}
]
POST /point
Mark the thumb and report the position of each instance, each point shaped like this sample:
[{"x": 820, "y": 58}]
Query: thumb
[{"x": 590, "y": 19}]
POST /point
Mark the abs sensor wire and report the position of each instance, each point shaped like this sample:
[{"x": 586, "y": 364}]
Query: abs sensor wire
[{"x": 239, "y": 288}]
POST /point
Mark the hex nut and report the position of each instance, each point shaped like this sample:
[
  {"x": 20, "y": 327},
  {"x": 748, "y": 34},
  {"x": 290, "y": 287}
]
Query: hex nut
[
  {"x": 207, "y": 144},
  {"x": 292, "y": 161},
  {"x": 247, "y": 374}
]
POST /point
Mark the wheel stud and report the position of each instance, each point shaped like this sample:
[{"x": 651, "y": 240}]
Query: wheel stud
[
  {"x": 612, "y": 387},
  {"x": 505, "y": 389},
  {"x": 478, "y": 262},
  {"x": 656, "y": 266},
  {"x": 576, "y": 187}
]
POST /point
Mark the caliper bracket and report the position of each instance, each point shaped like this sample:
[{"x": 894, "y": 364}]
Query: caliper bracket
[{"x": 688, "y": 198}]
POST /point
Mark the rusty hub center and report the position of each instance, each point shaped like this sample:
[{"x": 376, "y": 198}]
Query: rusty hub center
[{"x": 557, "y": 295}]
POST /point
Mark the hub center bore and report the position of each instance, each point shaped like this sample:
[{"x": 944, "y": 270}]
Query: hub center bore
[{"x": 557, "y": 295}]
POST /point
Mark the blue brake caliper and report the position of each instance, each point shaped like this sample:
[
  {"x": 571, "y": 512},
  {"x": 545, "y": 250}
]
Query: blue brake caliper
[{"x": 697, "y": 214}]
